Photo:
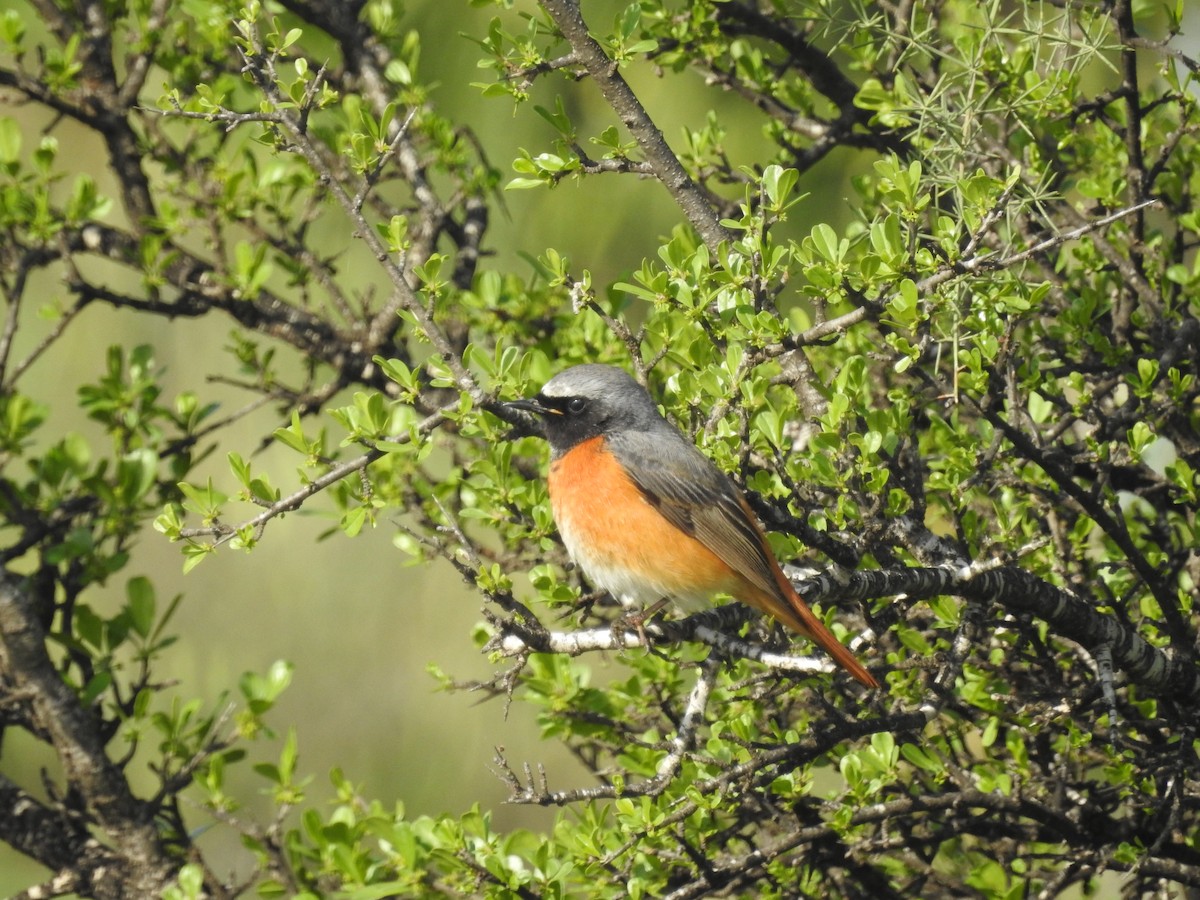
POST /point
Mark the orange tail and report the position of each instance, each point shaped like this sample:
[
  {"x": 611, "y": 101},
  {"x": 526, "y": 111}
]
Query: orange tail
[{"x": 797, "y": 616}]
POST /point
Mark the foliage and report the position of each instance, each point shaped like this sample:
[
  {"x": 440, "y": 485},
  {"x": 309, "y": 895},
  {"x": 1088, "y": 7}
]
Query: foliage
[{"x": 973, "y": 408}]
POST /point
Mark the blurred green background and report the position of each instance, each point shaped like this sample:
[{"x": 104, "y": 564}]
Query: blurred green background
[{"x": 360, "y": 626}]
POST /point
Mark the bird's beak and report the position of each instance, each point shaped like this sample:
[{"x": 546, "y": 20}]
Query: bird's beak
[{"x": 532, "y": 405}]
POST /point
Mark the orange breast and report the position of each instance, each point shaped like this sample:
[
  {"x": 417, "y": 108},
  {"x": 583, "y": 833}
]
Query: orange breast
[{"x": 621, "y": 541}]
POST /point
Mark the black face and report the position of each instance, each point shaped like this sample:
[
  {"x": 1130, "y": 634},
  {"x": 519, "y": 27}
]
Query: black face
[
  {"x": 566, "y": 421},
  {"x": 591, "y": 400}
]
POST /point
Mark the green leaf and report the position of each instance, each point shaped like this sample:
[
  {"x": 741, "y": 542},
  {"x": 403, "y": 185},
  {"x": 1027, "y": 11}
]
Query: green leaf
[
  {"x": 10, "y": 140},
  {"x": 825, "y": 241},
  {"x": 778, "y": 184},
  {"x": 1040, "y": 409},
  {"x": 141, "y": 605},
  {"x": 194, "y": 553}
]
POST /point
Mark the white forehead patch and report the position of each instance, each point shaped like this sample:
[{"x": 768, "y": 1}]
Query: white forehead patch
[
  {"x": 556, "y": 388},
  {"x": 589, "y": 381}
]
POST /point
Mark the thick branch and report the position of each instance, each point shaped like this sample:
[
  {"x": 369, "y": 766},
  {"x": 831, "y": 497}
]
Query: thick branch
[
  {"x": 38, "y": 832},
  {"x": 75, "y": 735},
  {"x": 1020, "y": 591}
]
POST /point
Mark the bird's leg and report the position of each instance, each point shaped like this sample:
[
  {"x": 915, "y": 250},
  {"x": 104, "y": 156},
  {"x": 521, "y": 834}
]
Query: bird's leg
[{"x": 637, "y": 620}]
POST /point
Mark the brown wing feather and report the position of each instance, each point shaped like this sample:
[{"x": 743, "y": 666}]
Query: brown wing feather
[
  {"x": 697, "y": 498},
  {"x": 724, "y": 528},
  {"x": 702, "y": 501}
]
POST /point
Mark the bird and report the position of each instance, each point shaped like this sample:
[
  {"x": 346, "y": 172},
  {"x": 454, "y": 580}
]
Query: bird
[{"x": 648, "y": 517}]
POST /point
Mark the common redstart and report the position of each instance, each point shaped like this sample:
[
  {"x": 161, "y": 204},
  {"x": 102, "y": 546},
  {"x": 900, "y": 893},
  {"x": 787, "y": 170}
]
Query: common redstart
[{"x": 648, "y": 517}]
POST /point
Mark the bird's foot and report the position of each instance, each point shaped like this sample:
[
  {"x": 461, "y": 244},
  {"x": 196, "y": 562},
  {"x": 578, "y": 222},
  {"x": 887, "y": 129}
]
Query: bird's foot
[{"x": 637, "y": 622}]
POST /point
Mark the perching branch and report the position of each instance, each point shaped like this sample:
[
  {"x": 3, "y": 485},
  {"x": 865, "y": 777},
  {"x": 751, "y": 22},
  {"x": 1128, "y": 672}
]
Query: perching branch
[
  {"x": 1008, "y": 586},
  {"x": 711, "y": 627}
]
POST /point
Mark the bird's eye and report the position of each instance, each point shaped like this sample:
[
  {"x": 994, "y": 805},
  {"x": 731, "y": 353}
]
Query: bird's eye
[{"x": 576, "y": 405}]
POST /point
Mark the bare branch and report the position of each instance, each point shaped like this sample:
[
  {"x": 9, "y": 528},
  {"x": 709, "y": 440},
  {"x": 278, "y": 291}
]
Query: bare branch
[{"x": 625, "y": 103}]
